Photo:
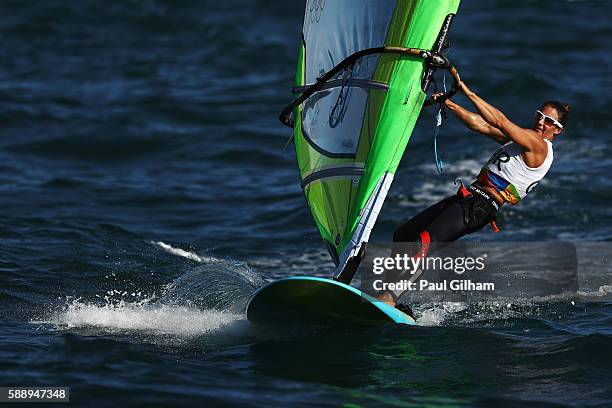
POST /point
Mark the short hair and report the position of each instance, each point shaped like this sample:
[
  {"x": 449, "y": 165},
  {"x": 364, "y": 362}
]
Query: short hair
[{"x": 563, "y": 109}]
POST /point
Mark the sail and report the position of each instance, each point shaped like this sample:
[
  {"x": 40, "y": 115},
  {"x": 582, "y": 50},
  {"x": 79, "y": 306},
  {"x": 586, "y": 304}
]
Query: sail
[{"x": 351, "y": 134}]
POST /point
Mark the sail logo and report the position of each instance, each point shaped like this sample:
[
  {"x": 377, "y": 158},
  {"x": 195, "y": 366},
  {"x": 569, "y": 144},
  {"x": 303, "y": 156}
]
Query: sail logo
[{"x": 315, "y": 8}]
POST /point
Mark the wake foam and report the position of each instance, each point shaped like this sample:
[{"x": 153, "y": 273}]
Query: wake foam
[
  {"x": 157, "y": 319},
  {"x": 207, "y": 300},
  {"x": 494, "y": 310},
  {"x": 182, "y": 253},
  {"x": 437, "y": 314},
  {"x": 604, "y": 292}
]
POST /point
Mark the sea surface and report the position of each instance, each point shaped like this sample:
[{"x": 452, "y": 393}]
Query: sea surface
[{"x": 146, "y": 192}]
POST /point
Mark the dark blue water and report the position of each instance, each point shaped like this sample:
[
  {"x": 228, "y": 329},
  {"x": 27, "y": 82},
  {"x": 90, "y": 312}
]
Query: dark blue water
[{"x": 145, "y": 194}]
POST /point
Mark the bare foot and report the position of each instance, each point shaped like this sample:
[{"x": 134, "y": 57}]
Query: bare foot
[{"x": 386, "y": 298}]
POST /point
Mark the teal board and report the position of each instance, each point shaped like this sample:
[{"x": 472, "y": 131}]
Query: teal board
[{"x": 311, "y": 300}]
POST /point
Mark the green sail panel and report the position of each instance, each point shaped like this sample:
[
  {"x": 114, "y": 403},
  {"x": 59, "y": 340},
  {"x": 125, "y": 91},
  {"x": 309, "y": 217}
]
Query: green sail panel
[{"x": 351, "y": 135}]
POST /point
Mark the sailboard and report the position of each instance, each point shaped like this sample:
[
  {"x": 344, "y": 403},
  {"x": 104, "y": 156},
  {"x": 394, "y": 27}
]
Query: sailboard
[
  {"x": 363, "y": 71},
  {"x": 290, "y": 301}
]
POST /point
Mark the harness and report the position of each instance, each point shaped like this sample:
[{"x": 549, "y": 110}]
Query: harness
[{"x": 476, "y": 190}]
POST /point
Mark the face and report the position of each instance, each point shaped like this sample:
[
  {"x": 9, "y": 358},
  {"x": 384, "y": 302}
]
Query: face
[{"x": 544, "y": 126}]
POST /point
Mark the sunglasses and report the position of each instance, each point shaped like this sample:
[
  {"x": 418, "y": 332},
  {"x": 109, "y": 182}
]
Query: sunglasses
[{"x": 549, "y": 120}]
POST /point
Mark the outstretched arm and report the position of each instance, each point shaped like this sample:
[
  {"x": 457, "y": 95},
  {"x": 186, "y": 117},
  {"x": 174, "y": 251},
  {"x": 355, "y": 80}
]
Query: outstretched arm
[
  {"x": 475, "y": 122},
  {"x": 527, "y": 138}
]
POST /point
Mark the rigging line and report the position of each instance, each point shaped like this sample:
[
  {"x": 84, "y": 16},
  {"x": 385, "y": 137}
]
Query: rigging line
[
  {"x": 440, "y": 117},
  {"x": 287, "y": 143}
]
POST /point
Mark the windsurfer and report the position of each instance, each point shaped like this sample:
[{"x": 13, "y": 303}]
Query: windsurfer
[{"x": 509, "y": 175}]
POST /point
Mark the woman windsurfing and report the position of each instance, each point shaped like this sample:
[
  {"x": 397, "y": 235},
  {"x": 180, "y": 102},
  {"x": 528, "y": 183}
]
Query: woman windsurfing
[{"x": 510, "y": 174}]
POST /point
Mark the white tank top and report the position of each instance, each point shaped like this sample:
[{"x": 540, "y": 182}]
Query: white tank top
[{"x": 507, "y": 172}]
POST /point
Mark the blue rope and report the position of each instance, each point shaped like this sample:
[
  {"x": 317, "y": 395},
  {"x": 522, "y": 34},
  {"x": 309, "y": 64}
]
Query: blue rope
[
  {"x": 439, "y": 162},
  {"x": 439, "y": 121}
]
